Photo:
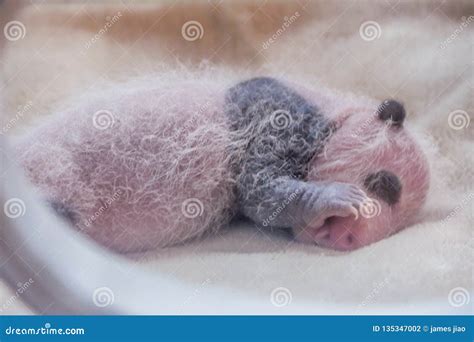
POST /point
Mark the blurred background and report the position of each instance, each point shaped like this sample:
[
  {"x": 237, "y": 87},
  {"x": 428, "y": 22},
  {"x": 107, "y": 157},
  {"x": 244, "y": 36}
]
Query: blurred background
[{"x": 419, "y": 52}]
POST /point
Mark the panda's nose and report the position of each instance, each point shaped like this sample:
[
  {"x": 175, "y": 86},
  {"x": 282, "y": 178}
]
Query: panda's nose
[
  {"x": 339, "y": 234},
  {"x": 392, "y": 110}
]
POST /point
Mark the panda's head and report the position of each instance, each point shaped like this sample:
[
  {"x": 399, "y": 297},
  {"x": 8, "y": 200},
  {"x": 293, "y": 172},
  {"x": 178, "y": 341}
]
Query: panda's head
[{"x": 372, "y": 149}]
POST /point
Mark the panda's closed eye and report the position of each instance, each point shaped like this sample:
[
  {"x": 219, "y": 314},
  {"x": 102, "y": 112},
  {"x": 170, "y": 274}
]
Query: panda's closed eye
[{"x": 385, "y": 185}]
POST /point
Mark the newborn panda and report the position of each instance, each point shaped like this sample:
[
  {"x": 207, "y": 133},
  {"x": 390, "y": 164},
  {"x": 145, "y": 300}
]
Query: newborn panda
[{"x": 149, "y": 164}]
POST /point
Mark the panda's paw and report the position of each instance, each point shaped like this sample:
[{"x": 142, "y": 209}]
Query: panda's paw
[{"x": 324, "y": 200}]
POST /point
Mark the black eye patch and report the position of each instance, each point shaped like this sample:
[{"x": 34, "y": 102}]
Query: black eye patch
[{"x": 385, "y": 185}]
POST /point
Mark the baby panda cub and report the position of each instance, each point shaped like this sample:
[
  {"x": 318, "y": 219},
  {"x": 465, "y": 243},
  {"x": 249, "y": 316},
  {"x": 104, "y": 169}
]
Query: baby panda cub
[
  {"x": 155, "y": 163},
  {"x": 284, "y": 180}
]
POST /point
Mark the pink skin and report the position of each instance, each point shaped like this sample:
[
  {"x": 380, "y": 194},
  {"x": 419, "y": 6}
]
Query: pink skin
[
  {"x": 363, "y": 143},
  {"x": 168, "y": 146},
  {"x": 158, "y": 176}
]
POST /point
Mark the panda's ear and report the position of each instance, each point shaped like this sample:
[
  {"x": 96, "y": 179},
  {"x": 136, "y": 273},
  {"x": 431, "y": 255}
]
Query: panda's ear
[{"x": 392, "y": 110}]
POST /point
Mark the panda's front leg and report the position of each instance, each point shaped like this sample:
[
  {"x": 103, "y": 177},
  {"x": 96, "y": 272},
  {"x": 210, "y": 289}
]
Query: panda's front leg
[{"x": 305, "y": 207}]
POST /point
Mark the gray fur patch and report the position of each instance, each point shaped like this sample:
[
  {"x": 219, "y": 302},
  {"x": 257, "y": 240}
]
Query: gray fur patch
[{"x": 278, "y": 133}]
